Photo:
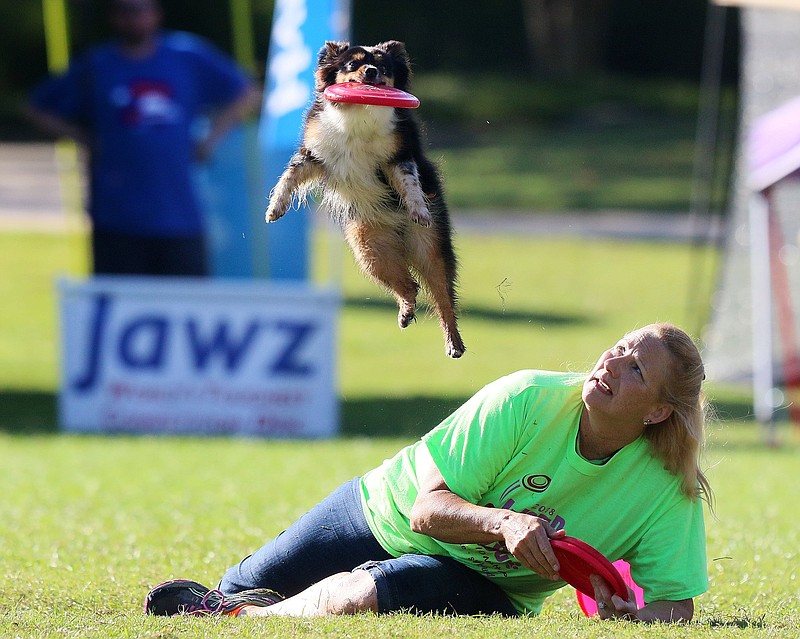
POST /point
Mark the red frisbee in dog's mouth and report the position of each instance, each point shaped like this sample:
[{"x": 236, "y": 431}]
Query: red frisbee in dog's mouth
[
  {"x": 579, "y": 560},
  {"x": 371, "y": 94}
]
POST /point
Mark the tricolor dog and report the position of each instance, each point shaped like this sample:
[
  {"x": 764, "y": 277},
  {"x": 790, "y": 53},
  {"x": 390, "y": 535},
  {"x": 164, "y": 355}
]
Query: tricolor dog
[{"x": 368, "y": 165}]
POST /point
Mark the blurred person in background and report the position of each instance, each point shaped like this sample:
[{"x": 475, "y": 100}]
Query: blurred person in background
[{"x": 134, "y": 103}]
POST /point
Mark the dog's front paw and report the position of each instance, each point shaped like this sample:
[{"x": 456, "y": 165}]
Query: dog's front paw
[
  {"x": 274, "y": 213},
  {"x": 421, "y": 216}
]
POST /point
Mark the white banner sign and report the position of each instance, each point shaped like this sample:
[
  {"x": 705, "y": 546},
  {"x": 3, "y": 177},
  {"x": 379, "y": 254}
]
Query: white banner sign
[{"x": 191, "y": 356}]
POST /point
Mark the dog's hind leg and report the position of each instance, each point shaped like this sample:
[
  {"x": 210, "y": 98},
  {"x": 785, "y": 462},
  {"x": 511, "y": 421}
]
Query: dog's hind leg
[
  {"x": 437, "y": 268},
  {"x": 380, "y": 252}
]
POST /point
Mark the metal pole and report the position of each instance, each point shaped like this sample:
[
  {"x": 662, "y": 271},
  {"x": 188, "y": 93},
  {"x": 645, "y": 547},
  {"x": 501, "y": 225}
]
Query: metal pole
[
  {"x": 704, "y": 156},
  {"x": 56, "y": 34},
  {"x": 761, "y": 295},
  {"x": 243, "y": 35}
]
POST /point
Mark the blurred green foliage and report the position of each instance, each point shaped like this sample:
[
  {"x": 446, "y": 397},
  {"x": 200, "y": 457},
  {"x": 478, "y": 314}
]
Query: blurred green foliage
[{"x": 656, "y": 40}]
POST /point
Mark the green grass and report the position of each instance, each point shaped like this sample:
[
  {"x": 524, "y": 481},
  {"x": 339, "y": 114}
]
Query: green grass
[
  {"x": 527, "y": 302},
  {"x": 583, "y": 144},
  {"x": 643, "y": 167},
  {"x": 518, "y": 100},
  {"x": 88, "y": 524}
]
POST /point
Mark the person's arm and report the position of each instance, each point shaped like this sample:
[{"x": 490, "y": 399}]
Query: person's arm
[
  {"x": 53, "y": 125},
  {"x": 228, "y": 117},
  {"x": 613, "y": 606},
  {"x": 440, "y": 513}
]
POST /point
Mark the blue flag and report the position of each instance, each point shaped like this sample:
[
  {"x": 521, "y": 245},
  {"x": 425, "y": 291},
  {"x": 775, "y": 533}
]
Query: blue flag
[{"x": 299, "y": 30}]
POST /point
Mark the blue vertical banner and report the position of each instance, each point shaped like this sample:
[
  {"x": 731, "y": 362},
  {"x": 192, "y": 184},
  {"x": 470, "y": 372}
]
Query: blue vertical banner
[
  {"x": 227, "y": 193},
  {"x": 299, "y": 29}
]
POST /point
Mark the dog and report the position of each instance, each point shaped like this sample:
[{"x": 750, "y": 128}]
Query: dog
[{"x": 367, "y": 163}]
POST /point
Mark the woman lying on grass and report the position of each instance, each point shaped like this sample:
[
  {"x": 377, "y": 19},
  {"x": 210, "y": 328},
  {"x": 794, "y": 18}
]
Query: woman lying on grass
[{"x": 460, "y": 522}]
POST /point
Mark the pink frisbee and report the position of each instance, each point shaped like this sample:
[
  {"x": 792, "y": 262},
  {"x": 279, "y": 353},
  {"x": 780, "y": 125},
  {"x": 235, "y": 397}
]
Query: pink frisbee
[
  {"x": 589, "y": 606},
  {"x": 579, "y": 561},
  {"x": 371, "y": 94}
]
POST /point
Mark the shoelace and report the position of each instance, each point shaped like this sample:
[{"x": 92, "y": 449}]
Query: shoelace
[{"x": 205, "y": 609}]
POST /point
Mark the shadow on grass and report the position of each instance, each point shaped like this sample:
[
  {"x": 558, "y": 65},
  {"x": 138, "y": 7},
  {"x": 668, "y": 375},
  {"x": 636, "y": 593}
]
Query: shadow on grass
[
  {"x": 736, "y": 622},
  {"x": 27, "y": 412},
  {"x": 414, "y": 416},
  {"x": 395, "y": 416},
  {"x": 475, "y": 312},
  {"x": 733, "y": 409},
  {"x": 35, "y": 412}
]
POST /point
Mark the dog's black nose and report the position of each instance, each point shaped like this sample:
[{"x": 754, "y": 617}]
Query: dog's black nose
[{"x": 371, "y": 73}]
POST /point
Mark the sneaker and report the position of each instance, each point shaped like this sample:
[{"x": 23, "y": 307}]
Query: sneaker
[{"x": 184, "y": 597}]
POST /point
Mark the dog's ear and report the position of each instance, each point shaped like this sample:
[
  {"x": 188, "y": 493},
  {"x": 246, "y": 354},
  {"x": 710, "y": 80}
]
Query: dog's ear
[
  {"x": 325, "y": 75},
  {"x": 330, "y": 51},
  {"x": 395, "y": 49},
  {"x": 400, "y": 61}
]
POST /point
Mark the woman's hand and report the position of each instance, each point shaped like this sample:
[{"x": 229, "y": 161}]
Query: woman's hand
[
  {"x": 528, "y": 538},
  {"x": 443, "y": 515},
  {"x": 612, "y": 606}
]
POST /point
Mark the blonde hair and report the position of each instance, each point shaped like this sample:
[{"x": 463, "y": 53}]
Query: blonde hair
[{"x": 679, "y": 439}]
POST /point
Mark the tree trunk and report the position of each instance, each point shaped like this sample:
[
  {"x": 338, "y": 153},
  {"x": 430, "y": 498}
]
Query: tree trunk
[{"x": 566, "y": 37}]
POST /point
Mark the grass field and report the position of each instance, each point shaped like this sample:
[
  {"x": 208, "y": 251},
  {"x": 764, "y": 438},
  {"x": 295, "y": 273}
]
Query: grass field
[
  {"x": 527, "y": 302},
  {"x": 88, "y": 524},
  {"x": 567, "y": 144}
]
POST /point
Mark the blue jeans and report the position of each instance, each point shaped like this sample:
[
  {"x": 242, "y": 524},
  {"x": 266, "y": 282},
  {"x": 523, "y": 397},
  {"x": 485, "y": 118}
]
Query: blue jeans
[{"x": 334, "y": 537}]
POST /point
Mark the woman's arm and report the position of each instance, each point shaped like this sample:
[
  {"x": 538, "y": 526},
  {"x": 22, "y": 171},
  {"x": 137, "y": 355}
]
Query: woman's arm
[
  {"x": 440, "y": 513},
  {"x": 613, "y": 606},
  {"x": 667, "y": 611}
]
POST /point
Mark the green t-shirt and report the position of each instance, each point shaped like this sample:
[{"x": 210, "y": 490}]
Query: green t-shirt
[{"x": 514, "y": 445}]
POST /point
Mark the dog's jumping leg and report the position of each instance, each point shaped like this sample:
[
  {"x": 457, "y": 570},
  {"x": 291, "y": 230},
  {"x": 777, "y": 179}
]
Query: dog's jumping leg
[
  {"x": 380, "y": 252},
  {"x": 439, "y": 277},
  {"x": 404, "y": 178},
  {"x": 303, "y": 168}
]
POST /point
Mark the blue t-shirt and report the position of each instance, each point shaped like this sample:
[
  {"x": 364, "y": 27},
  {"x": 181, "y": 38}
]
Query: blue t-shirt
[{"x": 141, "y": 117}]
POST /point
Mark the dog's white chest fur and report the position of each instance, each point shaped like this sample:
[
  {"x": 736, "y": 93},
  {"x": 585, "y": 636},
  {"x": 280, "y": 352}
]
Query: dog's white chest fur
[{"x": 354, "y": 143}]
